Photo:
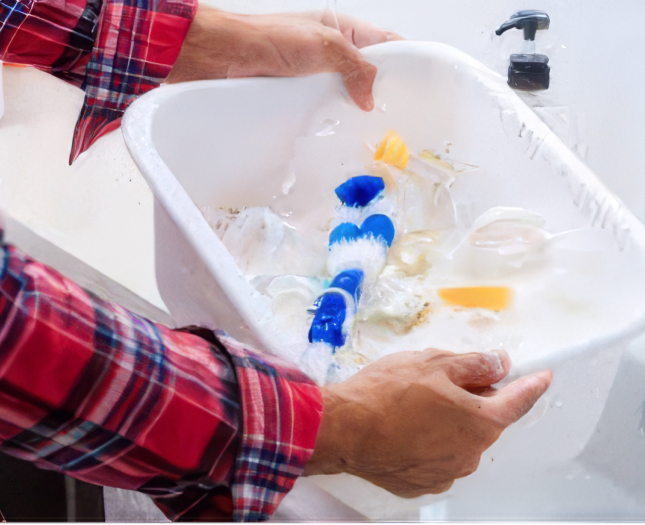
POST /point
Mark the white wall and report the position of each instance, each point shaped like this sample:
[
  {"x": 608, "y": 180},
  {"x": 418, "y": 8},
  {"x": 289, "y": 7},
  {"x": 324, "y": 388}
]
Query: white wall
[{"x": 99, "y": 209}]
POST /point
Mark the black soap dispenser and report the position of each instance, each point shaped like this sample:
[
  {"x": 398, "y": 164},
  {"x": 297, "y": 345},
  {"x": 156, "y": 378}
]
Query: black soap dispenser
[{"x": 528, "y": 71}]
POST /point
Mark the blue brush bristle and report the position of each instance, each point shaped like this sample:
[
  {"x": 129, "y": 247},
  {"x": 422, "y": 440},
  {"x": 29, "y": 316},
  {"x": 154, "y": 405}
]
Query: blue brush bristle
[
  {"x": 346, "y": 231},
  {"x": 380, "y": 227},
  {"x": 360, "y": 191}
]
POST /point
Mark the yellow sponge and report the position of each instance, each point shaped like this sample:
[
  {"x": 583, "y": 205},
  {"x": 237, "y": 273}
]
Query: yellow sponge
[
  {"x": 392, "y": 150},
  {"x": 489, "y": 297}
]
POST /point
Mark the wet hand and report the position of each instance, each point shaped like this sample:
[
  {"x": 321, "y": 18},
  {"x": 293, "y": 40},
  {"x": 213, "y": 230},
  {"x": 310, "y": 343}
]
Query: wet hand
[
  {"x": 226, "y": 45},
  {"x": 414, "y": 422}
]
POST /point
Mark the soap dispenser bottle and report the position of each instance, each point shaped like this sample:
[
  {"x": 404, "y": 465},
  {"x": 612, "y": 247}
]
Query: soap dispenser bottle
[{"x": 528, "y": 71}]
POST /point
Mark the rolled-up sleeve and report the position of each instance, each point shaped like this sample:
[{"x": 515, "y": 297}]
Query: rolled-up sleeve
[
  {"x": 137, "y": 45},
  {"x": 53, "y": 35},
  {"x": 210, "y": 429},
  {"x": 282, "y": 409},
  {"x": 115, "y": 50}
]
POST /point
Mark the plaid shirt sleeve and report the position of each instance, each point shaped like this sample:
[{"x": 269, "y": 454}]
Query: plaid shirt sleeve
[
  {"x": 51, "y": 35},
  {"x": 205, "y": 425},
  {"x": 115, "y": 50}
]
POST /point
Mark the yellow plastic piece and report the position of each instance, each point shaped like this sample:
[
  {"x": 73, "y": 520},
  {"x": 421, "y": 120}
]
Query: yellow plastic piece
[
  {"x": 489, "y": 297},
  {"x": 392, "y": 150}
]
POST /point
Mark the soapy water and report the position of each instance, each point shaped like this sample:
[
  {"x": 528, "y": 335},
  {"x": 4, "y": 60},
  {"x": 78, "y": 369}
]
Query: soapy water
[{"x": 502, "y": 281}]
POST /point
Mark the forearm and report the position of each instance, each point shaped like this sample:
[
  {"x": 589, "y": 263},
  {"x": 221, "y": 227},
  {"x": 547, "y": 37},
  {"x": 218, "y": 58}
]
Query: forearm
[
  {"x": 228, "y": 45},
  {"x": 225, "y": 45},
  {"x": 215, "y": 41}
]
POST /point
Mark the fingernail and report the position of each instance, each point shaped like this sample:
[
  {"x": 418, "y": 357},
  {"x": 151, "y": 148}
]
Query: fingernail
[
  {"x": 499, "y": 354},
  {"x": 498, "y": 360},
  {"x": 547, "y": 374},
  {"x": 539, "y": 377},
  {"x": 393, "y": 37}
]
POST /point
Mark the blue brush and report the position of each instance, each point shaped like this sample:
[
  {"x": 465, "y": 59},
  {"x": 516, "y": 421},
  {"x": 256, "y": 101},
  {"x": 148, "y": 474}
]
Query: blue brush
[
  {"x": 331, "y": 312},
  {"x": 336, "y": 307}
]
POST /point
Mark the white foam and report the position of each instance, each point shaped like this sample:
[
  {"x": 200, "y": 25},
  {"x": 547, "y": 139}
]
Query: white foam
[
  {"x": 568, "y": 285},
  {"x": 262, "y": 243},
  {"x": 316, "y": 361},
  {"x": 367, "y": 254}
]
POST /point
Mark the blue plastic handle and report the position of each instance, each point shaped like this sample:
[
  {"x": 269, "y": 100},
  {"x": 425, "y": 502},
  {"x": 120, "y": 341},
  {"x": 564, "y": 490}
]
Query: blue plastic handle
[
  {"x": 351, "y": 281},
  {"x": 327, "y": 326}
]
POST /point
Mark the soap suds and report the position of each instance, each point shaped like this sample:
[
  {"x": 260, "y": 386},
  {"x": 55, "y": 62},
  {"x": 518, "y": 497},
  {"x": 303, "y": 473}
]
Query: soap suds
[{"x": 567, "y": 286}]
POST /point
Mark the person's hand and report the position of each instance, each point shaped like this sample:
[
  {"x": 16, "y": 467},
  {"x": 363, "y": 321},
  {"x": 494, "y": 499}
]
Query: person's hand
[
  {"x": 226, "y": 45},
  {"x": 413, "y": 422}
]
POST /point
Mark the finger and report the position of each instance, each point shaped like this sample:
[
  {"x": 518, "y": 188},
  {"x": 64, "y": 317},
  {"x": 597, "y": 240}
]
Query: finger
[
  {"x": 511, "y": 402},
  {"x": 359, "y": 82},
  {"x": 482, "y": 391},
  {"x": 436, "y": 488},
  {"x": 441, "y": 487},
  {"x": 358, "y": 75},
  {"x": 478, "y": 369},
  {"x": 364, "y": 34}
]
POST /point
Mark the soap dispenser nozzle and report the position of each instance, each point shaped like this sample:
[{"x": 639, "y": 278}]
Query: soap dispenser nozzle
[
  {"x": 529, "y": 20},
  {"x": 528, "y": 71}
]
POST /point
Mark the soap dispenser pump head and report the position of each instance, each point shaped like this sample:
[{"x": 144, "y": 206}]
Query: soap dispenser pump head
[
  {"x": 528, "y": 71},
  {"x": 530, "y": 21}
]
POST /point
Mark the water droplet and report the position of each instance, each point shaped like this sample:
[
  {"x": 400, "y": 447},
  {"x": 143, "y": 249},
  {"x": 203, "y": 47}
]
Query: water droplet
[
  {"x": 327, "y": 127},
  {"x": 382, "y": 107},
  {"x": 288, "y": 183},
  {"x": 558, "y": 404}
]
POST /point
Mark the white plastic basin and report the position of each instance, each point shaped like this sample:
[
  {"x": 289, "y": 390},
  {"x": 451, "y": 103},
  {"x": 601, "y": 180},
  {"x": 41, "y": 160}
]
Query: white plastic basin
[{"x": 229, "y": 144}]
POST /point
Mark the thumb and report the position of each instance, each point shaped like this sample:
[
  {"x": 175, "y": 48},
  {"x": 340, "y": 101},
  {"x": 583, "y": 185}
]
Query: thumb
[
  {"x": 357, "y": 73},
  {"x": 359, "y": 81},
  {"x": 511, "y": 402},
  {"x": 478, "y": 369}
]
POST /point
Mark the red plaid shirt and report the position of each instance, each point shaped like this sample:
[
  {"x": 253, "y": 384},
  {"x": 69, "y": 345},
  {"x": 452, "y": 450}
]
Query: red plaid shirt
[
  {"x": 115, "y": 50},
  {"x": 206, "y": 426}
]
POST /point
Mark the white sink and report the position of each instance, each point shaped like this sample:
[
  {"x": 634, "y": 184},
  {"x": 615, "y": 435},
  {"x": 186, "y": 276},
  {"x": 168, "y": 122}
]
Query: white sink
[{"x": 228, "y": 144}]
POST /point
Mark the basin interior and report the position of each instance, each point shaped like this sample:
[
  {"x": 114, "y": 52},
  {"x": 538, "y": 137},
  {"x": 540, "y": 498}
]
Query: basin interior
[{"x": 287, "y": 143}]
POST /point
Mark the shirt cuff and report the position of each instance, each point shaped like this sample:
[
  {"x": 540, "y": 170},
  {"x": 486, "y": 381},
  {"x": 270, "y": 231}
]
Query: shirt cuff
[
  {"x": 281, "y": 409},
  {"x": 137, "y": 44}
]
